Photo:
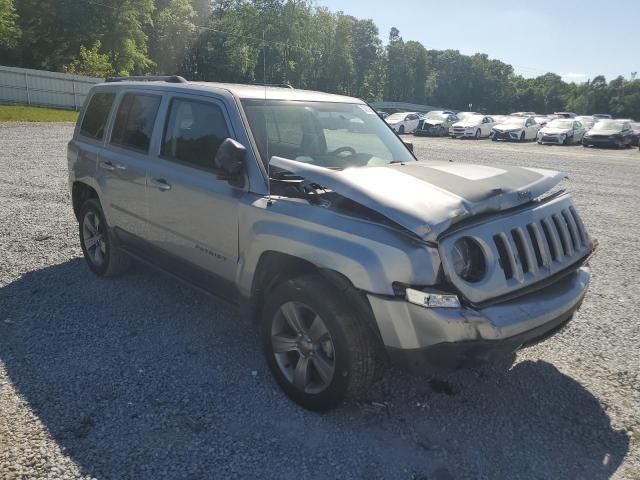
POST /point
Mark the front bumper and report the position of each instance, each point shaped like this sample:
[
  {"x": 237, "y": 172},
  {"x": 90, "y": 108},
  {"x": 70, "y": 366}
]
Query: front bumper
[
  {"x": 512, "y": 136},
  {"x": 603, "y": 142},
  {"x": 430, "y": 131},
  {"x": 416, "y": 337},
  {"x": 552, "y": 139}
]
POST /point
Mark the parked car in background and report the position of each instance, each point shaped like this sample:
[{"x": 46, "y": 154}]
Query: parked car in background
[
  {"x": 403, "y": 122},
  {"x": 635, "y": 138},
  {"x": 516, "y": 128},
  {"x": 522, "y": 114},
  {"x": 435, "y": 124},
  {"x": 587, "y": 121},
  {"x": 604, "y": 116},
  {"x": 473, "y": 126},
  {"x": 565, "y": 114},
  {"x": 382, "y": 114},
  {"x": 609, "y": 133},
  {"x": 561, "y": 131}
]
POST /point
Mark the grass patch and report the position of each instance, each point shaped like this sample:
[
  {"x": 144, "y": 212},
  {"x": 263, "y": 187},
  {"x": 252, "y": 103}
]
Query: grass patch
[{"x": 19, "y": 113}]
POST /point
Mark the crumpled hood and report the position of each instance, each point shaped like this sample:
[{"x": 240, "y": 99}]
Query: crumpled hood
[
  {"x": 433, "y": 123},
  {"x": 427, "y": 198}
]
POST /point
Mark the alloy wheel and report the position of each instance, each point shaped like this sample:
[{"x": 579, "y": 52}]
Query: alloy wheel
[
  {"x": 303, "y": 348},
  {"x": 94, "y": 240}
]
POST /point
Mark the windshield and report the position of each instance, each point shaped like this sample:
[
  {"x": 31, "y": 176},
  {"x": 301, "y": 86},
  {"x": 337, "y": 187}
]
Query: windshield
[
  {"x": 560, "y": 124},
  {"x": 333, "y": 135},
  {"x": 474, "y": 119},
  {"x": 607, "y": 125},
  {"x": 436, "y": 116}
]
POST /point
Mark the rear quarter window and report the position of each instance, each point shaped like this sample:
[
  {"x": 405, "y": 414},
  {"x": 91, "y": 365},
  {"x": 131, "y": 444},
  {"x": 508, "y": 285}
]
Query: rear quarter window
[{"x": 95, "y": 118}]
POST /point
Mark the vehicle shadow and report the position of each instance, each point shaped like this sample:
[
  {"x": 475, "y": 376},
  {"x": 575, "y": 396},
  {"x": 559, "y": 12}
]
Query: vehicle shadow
[{"x": 142, "y": 377}]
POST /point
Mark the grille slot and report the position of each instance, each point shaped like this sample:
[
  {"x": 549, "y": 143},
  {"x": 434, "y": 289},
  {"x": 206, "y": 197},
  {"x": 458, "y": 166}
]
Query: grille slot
[
  {"x": 503, "y": 255},
  {"x": 536, "y": 240},
  {"x": 523, "y": 253}
]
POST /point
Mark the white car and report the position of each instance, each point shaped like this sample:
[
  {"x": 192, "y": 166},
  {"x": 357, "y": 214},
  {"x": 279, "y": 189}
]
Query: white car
[
  {"x": 562, "y": 131},
  {"x": 516, "y": 129},
  {"x": 403, "y": 122},
  {"x": 542, "y": 120},
  {"x": 473, "y": 126}
]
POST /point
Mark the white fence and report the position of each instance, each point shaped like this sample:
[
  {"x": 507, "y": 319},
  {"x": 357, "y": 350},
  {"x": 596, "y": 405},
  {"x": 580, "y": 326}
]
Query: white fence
[{"x": 37, "y": 87}]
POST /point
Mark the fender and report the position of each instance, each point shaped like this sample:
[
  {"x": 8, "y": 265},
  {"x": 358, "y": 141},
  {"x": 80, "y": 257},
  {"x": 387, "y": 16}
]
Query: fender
[{"x": 370, "y": 255}]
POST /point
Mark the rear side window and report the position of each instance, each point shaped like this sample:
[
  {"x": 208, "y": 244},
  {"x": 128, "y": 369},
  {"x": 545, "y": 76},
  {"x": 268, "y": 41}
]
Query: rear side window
[
  {"x": 194, "y": 132},
  {"x": 134, "y": 122},
  {"x": 95, "y": 118}
]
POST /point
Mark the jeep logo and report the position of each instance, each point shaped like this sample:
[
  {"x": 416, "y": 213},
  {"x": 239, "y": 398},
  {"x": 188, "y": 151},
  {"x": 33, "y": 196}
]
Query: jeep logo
[{"x": 525, "y": 195}]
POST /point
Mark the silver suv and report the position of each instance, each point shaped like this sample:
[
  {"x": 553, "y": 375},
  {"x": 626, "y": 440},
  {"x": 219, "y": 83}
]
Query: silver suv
[{"x": 308, "y": 210}]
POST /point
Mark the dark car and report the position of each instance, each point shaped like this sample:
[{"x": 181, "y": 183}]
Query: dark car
[{"x": 609, "y": 133}]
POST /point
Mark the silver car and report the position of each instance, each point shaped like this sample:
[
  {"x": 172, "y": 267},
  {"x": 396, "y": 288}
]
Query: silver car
[{"x": 310, "y": 213}]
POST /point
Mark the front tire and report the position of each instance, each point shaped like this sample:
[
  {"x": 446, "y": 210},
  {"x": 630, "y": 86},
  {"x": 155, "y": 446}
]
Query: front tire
[
  {"x": 99, "y": 245},
  {"x": 401, "y": 130},
  {"x": 522, "y": 137},
  {"x": 478, "y": 133},
  {"x": 317, "y": 348}
]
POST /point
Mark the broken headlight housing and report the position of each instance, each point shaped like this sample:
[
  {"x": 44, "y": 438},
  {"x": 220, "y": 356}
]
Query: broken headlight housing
[{"x": 468, "y": 260}]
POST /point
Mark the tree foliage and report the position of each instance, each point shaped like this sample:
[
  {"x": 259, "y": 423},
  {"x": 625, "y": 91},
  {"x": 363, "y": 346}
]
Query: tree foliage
[
  {"x": 283, "y": 41},
  {"x": 9, "y": 30}
]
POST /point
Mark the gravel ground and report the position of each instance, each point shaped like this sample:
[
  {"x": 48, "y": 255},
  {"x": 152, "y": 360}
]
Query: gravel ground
[{"x": 142, "y": 377}]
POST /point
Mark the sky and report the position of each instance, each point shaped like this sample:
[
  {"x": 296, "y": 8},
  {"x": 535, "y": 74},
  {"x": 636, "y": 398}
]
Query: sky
[{"x": 575, "y": 39}]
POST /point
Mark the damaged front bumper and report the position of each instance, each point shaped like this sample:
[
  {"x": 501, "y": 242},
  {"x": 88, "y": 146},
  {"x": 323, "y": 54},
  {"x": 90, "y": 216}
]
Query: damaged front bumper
[{"x": 417, "y": 337}]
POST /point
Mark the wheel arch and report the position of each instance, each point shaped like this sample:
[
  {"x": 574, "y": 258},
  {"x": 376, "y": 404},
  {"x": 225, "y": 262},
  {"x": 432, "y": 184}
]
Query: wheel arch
[
  {"x": 274, "y": 267},
  {"x": 80, "y": 193}
]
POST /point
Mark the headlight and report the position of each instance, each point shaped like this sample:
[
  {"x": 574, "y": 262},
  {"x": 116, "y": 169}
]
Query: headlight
[
  {"x": 432, "y": 300},
  {"x": 468, "y": 260}
]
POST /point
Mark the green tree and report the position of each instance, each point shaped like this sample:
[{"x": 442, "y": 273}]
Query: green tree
[
  {"x": 91, "y": 62},
  {"x": 173, "y": 34},
  {"x": 9, "y": 30}
]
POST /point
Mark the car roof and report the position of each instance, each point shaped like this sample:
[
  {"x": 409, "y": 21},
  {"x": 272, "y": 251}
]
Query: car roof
[{"x": 242, "y": 91}]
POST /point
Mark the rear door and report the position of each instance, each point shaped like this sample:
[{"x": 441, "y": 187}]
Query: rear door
[
  {"x": 123, "y": 164},
  {"x": 193, "y": 213}
]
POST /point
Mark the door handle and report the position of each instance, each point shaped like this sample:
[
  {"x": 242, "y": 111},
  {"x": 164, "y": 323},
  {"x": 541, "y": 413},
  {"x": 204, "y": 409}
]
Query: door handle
[
  {"x": 160, "y": 184},
  {"x": 107, "y": 166}
]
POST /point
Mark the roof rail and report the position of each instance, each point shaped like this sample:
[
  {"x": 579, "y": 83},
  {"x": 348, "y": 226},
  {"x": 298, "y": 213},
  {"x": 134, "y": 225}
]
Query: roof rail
[
  {"x": 279, "y": 85},
  {"x": 164, "y": 78}
]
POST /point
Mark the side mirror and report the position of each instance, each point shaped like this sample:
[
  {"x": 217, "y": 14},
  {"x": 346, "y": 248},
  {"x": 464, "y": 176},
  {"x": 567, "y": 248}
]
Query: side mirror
[
  {"x": 230, "y": 160},
  {"x": 409, "y": 146}
]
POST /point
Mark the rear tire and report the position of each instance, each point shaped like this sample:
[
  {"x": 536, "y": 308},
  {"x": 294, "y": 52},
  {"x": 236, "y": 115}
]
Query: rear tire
[
  {"x": 315, "y": 373},
  {"x": 99, "y": 245}
]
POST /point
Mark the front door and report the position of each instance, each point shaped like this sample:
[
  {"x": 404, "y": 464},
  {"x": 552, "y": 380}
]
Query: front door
[{"x": 194, "y": 214}]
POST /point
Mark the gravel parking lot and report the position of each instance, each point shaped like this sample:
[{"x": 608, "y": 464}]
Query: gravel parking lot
[{"x": 142, "y": 377}]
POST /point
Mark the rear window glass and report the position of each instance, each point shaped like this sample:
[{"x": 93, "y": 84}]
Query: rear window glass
[
  {"x": 194, "y": 133},
  {"x": 134, "y": 121},
  {"x": 95, "y": 118}
]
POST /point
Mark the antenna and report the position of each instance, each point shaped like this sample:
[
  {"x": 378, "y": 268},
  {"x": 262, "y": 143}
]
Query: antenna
[{"x": 266, "y": 131}]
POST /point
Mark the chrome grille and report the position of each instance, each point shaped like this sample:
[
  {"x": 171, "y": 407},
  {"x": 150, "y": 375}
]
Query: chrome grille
[{"x": 522, "y": 248}]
